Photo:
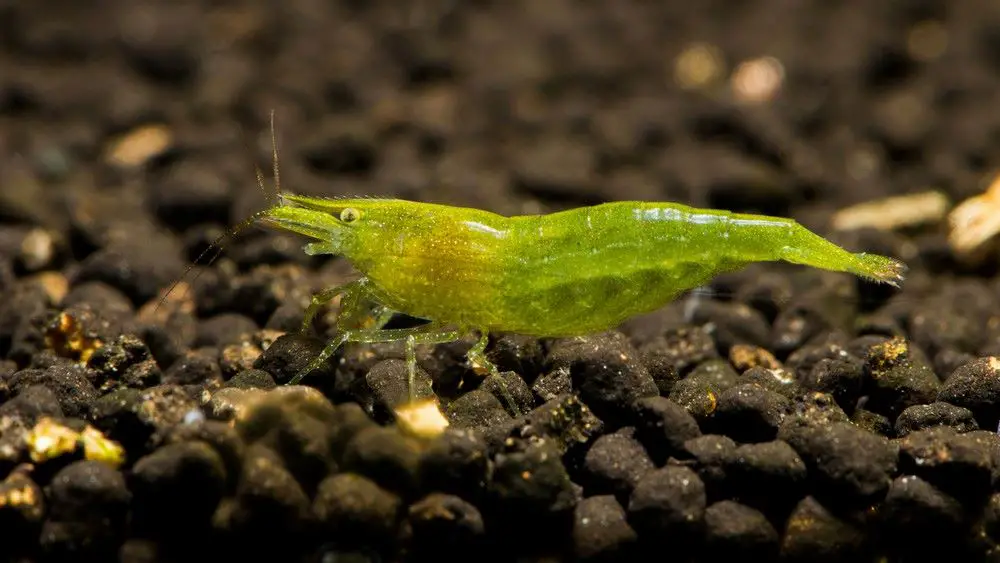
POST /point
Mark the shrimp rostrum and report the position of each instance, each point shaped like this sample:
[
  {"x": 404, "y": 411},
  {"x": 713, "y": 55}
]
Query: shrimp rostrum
[{"x": 563, "y": 274}]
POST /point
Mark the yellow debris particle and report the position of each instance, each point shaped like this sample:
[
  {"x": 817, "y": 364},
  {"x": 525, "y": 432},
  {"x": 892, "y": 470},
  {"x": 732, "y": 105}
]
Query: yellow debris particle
[
  {"x": 18, "y": 491},
  {"x": 97, "y": 447},
  {"x": 744, "y": 357},
  {"x": 422, "y": 418},
  {"x": 49, "y": 439},
  {"x": 66, "y": 337},
  {"x": 24, "y": 496},
  {"x": 713, "y": 401}
]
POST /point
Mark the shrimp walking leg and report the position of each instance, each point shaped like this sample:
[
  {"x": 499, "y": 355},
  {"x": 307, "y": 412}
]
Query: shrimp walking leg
[
  {"x": 477, "y": 359},
  {"x": 434, "y": 336},
  {"x": 322, "y": 298}
]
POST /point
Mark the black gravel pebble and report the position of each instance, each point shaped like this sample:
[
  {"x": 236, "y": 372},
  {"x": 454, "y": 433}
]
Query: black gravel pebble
[
  {"x": 812, "y": 409},
  {"x": 976, "y": 386},
  {"x": 614, "y": 464},
  {"x": 699, "y": 391},
  {"x": 386, "y": 387},
  {"x": 295, "y": 423},
  {"x": 477, "y": 409},
  {"x": 676, "y": 352},
  {"x": 919, "y": 519},
  {"x": 251, "y": 379},
  {"x": 126, "y": 361},
  {"x": 845, "y": 462},
  {"x": 508, "y": 387},
  {"x": 731, "y": 323},
  {"x": 828, "y": 346},
  {"x": 140, "y": 419},
  {"x": 749, "y": 413},
  {"x": 937, "y": 413},
  {"x": 601, "y": 531},
  {"x": 32, "y": 403},
  {"x": 191, "y": 192},
  {"x": 170, "y": 338},
  {"x": 69, "y": 383},
  {"x": 138, "y": 265},
  {"x": 607, "y": 373},
  {"x": 445, "y": 527},
  {"x": 531, "y": 492},
  {"x": 814, "y": 533},
  {"x": 22, "y": 314},
  {"x": 736, "y": 531},
  {"x": 185, "y": 478},
  {"x": 769, "y": 476},
  {"x": 961, "y": 464},
  {"x": 269, "y": 511},
  {"x": 224, "y": 329},
  {"x": 88, "y": 504},
  {"x": 564, "y": 422},
  {"x": 196, "y": 368},
  {"x": 354, "y": 512},
  {"x": 841, "y": 377},
  {"x": 235, "y": 358},
  {"x": 663, "y": 427},
  {"x": 780, "y": 380},
  {"x": 711, "y": 456},
  {"x": 813, "y": 312},
  {"x": 290, "y": 354},
  {"x": 228, "y": 403},
  {"x": 874, "y": 422},
  {"x": 519, "y": 354},
  {"x": 223, "y": 438},
  {"x": 668, "y": 507},
  {"x": 386, "y": 456},
  {"x": 101, "y": 296},
  {"x": 899, "y": 376},
  {"x": 550, "y": 385},
  {"x": 989, "y": 524},
  {"x": 457, "y": 463}
]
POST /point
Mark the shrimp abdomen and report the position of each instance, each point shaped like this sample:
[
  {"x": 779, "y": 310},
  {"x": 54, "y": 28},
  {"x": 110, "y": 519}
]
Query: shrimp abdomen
[{"x": 589, "y": 269}]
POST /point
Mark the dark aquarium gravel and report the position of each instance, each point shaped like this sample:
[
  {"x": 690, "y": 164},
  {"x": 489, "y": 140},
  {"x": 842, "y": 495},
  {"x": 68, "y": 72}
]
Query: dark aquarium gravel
[{"x": 782, "y": 414}]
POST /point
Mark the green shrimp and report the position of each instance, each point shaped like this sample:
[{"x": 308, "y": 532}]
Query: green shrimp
[{"x": 563, "y": 274}]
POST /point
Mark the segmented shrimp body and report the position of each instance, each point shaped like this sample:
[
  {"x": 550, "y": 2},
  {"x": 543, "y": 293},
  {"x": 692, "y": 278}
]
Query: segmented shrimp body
[{"x": 562, "y": 274}]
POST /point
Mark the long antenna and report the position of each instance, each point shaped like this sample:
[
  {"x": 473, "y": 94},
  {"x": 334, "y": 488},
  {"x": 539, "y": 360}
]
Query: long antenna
[
  {"x": 231, "y": 233},
  {"x": 274, "y": 163}
]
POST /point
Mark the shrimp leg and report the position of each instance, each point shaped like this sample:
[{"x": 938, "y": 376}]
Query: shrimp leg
[
  {"x": 357, "y": 303},
  {"x": 478, "y": 360},
  {"x": 322, "y": 298},
  {"x": 430, "y": 333},
  {"x": 351, "y": 309}
]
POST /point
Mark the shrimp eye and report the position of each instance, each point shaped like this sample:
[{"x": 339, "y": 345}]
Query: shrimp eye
[{"x": 350, "y": 215}]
